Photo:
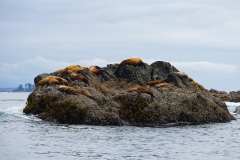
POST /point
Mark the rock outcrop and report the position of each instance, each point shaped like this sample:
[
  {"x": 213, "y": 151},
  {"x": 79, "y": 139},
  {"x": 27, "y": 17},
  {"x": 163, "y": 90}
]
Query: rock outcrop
[
  {"x": 226, "y": 96},
  {"x": 235, "y": 96},
  {"x": 129, "y": 93}
]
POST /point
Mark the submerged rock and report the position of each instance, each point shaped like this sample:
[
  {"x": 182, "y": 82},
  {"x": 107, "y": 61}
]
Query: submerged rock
[
  {"x": 237, "y": 110},
  {"x": 129, "y": 93}
]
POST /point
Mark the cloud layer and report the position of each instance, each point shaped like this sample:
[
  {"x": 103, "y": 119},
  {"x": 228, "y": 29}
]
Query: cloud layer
[{"x": 37, "y": 36}]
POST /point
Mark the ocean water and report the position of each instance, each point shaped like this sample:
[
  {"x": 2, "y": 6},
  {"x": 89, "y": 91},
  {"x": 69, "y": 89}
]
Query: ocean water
[{"x": 28, "y": 138}]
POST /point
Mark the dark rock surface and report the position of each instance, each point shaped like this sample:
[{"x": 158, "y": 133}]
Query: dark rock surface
[
  {"x": 235, "y": 96},
  {"x": 161, "y": 70},
  {"x": 129, "y": 93}
]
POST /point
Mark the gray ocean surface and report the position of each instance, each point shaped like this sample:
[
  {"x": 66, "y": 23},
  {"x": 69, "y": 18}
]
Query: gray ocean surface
[{"x": 28, "y": 138}]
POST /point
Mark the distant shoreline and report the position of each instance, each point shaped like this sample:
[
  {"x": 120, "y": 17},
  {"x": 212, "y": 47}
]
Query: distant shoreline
[
  {"x": 27, "y": 87},
  {"x": 6, "y": 89},
  {"x": 15, "y": 91}
]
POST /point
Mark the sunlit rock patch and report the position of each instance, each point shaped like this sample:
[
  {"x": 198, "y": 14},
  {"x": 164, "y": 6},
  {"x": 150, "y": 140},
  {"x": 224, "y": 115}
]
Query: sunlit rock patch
[
  {"x": 52, "y": 80},
  {"x": 132, "y": 61}
]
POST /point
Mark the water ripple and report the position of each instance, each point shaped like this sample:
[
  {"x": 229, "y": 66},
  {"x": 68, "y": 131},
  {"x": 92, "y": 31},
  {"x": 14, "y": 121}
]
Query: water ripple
[{"x": 30, "y": 138}]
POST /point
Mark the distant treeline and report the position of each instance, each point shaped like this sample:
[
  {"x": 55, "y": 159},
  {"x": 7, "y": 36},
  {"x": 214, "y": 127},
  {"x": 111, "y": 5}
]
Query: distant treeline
[{"x": 27, "y": 87}]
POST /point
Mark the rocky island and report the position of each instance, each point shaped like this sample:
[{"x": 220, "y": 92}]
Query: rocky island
[{"x": 129, "y": 93}]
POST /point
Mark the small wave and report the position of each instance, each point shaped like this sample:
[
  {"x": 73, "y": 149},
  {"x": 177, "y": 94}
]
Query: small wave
[
  {"x": 15, "y": 111},
  {"x": 12, "y": 110},
  {"x": 232, "y": 104},
  {"x": 18, "y": 115}
]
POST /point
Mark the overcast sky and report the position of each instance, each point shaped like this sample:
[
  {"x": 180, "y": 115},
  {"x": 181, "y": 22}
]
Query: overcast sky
[{"x": 201, "y": 37}]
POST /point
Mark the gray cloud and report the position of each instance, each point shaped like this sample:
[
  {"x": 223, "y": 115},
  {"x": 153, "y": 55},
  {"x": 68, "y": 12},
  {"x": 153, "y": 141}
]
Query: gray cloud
[{"x": 67, "y": 31}]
